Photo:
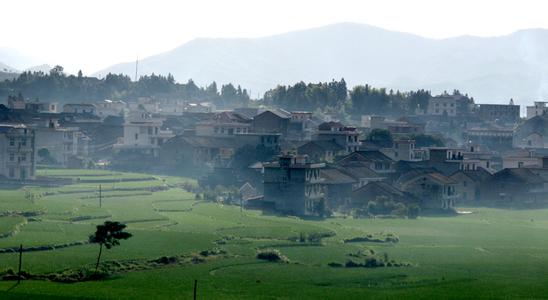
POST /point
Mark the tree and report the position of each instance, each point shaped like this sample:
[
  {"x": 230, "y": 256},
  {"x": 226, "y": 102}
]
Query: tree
[
  {"x": 380, "y": 137},
  {"x": 108, "y": 234},
  {"x": 45, "y": 156}
]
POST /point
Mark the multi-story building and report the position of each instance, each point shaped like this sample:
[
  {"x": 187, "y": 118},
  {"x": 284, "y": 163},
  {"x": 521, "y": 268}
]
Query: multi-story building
[
  {"x": 503, "y": 112},
  {"x": 143, "y": 134},
  {"x": 442, "y": 106},
  {"x": 539, "y": 108},
  {"x": 224, "y": 124},
  {"x": 79, "y": 108},
  {"x": 450, "y": 105},
  {"x": 107, "y": 108},
  {"x": 17, "y": 152},
  {"x": 293, "y": 185},
  {"x": 345, "y": 136},
  {"x": 62, "y": 143}
]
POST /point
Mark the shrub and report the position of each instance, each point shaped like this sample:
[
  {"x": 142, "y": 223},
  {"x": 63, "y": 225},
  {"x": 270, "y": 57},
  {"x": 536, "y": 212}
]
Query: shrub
[
  {"x": 273, "y": 255},
  {"x": 413, "y": 211}
]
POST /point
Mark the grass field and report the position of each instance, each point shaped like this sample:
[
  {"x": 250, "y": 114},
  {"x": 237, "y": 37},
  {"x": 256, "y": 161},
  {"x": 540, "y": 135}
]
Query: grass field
[{"x": 487, "y": 254}]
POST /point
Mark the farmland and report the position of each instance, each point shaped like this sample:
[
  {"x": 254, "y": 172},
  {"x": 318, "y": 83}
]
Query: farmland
[{"x": 487, "y": 254}]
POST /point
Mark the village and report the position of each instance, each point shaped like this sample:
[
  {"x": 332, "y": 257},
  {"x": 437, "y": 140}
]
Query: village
[{"x": 454, "y": 152}]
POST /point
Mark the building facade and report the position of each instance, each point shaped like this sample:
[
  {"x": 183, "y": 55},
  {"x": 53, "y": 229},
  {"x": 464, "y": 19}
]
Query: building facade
[{"x": 17, "y": 152}]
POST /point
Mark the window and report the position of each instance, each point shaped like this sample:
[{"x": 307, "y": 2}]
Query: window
[
  {"x": 136, "y": 136},
  {"x": 12, "y": 141},
  {"x": 12, "y": 156},
  {"x": 464, "y": 183},
  {"x": 24, "y": 157},
  {"x": 24, "y": 141},
  {"x": 12, "y": 172}
]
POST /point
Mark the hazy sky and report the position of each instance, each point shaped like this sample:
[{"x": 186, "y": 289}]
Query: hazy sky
[{"x": 91, "y": 35}]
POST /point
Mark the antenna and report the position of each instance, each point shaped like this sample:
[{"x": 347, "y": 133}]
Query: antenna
[{"x": 136, "y": 67}]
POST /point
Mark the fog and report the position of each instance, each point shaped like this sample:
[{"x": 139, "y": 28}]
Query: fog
[{"x": 295, "y": 150}]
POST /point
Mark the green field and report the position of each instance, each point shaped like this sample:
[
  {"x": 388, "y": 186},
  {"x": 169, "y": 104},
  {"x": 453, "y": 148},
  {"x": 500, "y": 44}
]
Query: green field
[{"x": 486, "y": 254}]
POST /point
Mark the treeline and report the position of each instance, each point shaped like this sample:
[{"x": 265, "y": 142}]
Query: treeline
[
  {"x": 58, "y": 86},
  {"x": 334, "y": 96}
]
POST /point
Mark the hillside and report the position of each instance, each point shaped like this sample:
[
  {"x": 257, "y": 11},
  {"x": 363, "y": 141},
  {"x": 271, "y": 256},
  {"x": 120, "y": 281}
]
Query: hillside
[{"x": 492, "y": 69}]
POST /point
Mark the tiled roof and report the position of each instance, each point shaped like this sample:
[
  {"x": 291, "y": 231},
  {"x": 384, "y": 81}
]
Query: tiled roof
[{"x": 334, "y": 176}]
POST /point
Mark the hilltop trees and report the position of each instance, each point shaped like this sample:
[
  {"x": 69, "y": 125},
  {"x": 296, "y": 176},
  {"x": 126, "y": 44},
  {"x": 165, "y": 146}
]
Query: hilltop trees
[
  {"x": 108, "y": 234},
  {"x": 302, "y": 96},
  {"x": 58, "y": 86},
  {"x": 334, "y": 97}
]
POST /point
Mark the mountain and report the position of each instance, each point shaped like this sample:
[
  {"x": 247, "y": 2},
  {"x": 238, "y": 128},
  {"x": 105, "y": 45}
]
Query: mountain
[
  {"x": 7, "y": 69},
  {"x": 492, "y": 69},
  {"x": 19, "y": 60},
  {"x": 7, "y": 72}
]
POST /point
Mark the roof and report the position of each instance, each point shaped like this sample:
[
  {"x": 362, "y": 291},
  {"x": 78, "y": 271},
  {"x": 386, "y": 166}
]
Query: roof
[
  {"x": 388, "y": 188},
  {"x": 446, "y": 168},
  {"x": 478, "y": 175},
  {"x": 247, "y": 191},
  {"x": 329, "y": 125},
  {"x": 335, "y": 176},
  {"x": 327, "y": 145},
  {"x": 358, "y": 172},
  {"x": 522, "y": 175},
  {"x": 365, "y": 155},
  {"x": 206, "y": 141},
  {"x": 431, "y": 173},
  {"x": 277, "y": 112}
]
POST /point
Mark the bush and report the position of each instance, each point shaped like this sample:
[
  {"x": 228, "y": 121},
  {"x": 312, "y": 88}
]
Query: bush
[
  {"x": 273, "y": 255},
  {"x": 413, "y": 211}
]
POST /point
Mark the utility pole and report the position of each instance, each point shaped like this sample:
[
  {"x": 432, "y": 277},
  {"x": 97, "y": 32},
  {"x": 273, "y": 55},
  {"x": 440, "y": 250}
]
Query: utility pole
[
  {"x": 20, "y": 263},
  {"x": 100, "y": 197},
  {"x": 136, "y": 67},
  {"x": 195, "y": 285}
]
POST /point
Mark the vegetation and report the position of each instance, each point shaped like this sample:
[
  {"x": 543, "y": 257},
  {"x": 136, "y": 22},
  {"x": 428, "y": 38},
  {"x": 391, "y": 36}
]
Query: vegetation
[
  {"x": 57, "y": 86},
  {"x": 177, "y": 239},
  {"x": 380, "y": 137},
  {"x": 334, "y": 97},
  {"x": 109, "y": 235}
]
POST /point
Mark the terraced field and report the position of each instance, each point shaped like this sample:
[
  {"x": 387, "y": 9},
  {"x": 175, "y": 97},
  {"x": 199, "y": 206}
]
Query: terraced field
[{"x": 176, "y": 239}]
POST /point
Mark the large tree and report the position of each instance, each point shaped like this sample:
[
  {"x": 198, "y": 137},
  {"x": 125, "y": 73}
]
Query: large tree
[{"x": 109, "y": 235}]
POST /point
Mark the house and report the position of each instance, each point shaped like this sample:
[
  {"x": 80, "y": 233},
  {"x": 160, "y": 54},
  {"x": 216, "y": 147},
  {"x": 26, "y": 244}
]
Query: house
[
  {"x": 301, "y": 126},
  {"x": 224, "y": 124},
  {"x": 468, "y": 185},
  {"x": 294, "y": 186},
  {"x": 404, "y": 149},
  {"x": 143, "y": 135},
  {"x": 108, "y": 107},
  {"x": 450, "y": 105},
  {"x": 503, "y": 112},
  {"x": 17, "y": 152},
  {"x": 345, "y": 136},
  {"x": 443, "y": 105},
  {"x": 62, "y": 143},
  {"x": 539, "y": 108},
  {"x": 494, "y": 137},
  {"x": 198, "y": 151},
  {"x": 338, "y": 187},
  {"x": 435, "y": 190},
  {"x": 376, "y": 189},
  {"x": 321, "y": 151},
  {"x": 79, "y": 108},
  {"x": 375, "y": 160},
  {"x": 272, "y": 121},
  {"x": 203, "y": 107},
  {"x": 248, "y": 112},
  {"x": 533, "y": 133},
  {"x": 514, "y": 187}
]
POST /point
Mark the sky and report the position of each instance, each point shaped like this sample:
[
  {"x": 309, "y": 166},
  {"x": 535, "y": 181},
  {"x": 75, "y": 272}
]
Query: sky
[{"x": 92, "y": 35}]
